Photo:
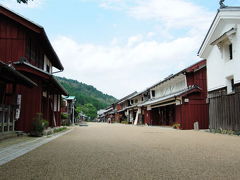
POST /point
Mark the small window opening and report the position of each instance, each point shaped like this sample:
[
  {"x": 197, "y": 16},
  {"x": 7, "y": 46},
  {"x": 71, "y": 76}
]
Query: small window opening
[
  {"x": 153, "y": 93},
  {"x": 48, "y": 68},
  {"x": 232, "y": 85},
  {"x": 230, "y": 52}
]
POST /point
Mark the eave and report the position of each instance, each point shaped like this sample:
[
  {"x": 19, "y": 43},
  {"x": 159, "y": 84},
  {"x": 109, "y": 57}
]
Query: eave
[
  {"x": 39, "y": 30},
  {"x": 224, "y": 36},
  {"x": 10, "y": 75},
  {"x": 221, "y": 14}
]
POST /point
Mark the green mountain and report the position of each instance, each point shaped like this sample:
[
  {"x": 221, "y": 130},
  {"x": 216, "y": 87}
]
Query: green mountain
[{"x": 86, "y": 94}]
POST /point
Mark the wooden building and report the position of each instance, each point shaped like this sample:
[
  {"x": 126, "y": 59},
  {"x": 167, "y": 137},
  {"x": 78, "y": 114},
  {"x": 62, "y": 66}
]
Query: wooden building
[
  {"x": 221, "y": 49},
  {"x": 25, "y": 46},
  {"x": 68, "y": 107},
  {"x": 122, "y": 109},
  {"x": 179, "y": 98},
  {"x": 135, "y": 109},
  {"x": 10, "y": 105}
]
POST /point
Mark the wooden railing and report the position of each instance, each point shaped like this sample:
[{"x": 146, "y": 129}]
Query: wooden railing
[{"x": 7, "y": 120}]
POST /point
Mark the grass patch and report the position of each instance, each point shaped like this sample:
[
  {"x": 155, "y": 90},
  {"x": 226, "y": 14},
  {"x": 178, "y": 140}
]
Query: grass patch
[
  {"x": 56, "y": 130},
  {"x": 224, "y": 131}
]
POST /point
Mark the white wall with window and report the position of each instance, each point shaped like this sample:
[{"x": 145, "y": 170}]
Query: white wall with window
[
  {"x": 170, "y": 86},
  {"x": 221, "y": 49}
]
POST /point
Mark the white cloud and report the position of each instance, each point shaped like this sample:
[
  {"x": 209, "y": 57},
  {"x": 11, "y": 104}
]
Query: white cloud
[
  {"x": 140, "y": 61},
  {"x": 119, "y": 70},
  {"x": 172, "y": 14},
  {"x": 134, "y": 39},
  {"x": 14, "y": 5}
]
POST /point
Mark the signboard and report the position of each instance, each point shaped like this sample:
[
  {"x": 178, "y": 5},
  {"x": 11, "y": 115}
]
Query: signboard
[
  {"x": 17, "y": 113},
  {"x": 18, "y": 110},
  {"x": 19, "y": 99}
]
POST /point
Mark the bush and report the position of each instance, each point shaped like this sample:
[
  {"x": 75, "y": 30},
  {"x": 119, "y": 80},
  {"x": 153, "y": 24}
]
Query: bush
[
  {"x": 64, "y": 116},
  {"x": 176, "y": 126},
  {"x": 39, "y": 124}
]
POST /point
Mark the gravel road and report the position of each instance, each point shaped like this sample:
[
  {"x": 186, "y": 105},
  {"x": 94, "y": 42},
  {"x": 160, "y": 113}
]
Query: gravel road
[{"x": 103, "y": 151}]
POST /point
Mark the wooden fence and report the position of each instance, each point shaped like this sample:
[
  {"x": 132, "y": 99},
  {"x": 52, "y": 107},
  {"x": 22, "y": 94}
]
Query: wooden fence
[{"x": 224, "y": 110}]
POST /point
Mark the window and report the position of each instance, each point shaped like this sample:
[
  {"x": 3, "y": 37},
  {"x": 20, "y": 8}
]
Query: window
[
  {"x": 230, "y": 51},
  {"x": 230, "y": 85},
  {"x": 48, "y": 68},
  {"x": 153, "y": 93}
]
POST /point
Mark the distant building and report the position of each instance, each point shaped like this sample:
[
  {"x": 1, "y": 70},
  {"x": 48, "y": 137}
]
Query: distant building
[
  {"x": 221, "y": 49},
  {"x": 180, "y": 99},
  {"x": 68, "y": 108}
]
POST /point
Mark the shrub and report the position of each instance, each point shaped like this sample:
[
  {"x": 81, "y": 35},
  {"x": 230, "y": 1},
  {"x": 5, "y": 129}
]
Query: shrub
[
  {"x": 176, "y": 126},
  {"x": 39, "y": 124},
  {"x": 64, "y": 116}
]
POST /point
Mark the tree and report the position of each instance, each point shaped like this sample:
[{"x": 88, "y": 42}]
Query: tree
[{"x": 88, "y": 109}]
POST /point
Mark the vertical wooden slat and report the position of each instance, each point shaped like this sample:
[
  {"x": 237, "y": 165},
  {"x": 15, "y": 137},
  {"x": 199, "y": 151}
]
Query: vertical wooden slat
[{"x": 224, "y": 110}]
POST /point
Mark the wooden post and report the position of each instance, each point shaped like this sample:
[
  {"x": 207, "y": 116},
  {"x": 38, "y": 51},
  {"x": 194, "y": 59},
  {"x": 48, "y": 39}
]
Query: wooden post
[
  {"x": 2, "y": 117},
  {"x": 13, "y": 119},
  {"x": 8, "y": 118}
]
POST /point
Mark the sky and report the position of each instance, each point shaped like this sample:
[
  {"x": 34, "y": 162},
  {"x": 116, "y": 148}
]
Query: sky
[{"x": 122, "y": 46}]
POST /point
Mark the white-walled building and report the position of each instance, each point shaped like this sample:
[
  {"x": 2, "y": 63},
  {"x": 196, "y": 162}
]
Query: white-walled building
[{"x": 221, "y": 48}]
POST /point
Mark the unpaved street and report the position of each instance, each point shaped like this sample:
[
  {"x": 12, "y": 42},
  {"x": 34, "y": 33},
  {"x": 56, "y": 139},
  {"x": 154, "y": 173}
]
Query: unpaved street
[{"x": 103, "y": 151}]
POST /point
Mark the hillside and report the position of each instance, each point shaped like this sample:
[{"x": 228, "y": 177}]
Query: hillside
[{"x": 86, "y": 93}]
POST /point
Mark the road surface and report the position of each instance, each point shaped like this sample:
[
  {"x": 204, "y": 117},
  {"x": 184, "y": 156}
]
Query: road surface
[{"x": 114, "y": 151}]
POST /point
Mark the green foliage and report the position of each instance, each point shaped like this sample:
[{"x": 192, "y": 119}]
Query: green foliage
[
  {"x": 39, "y": 124},
  {"x": 176, "y": 126},
  {"x": 56, "y": 130},
  {"x": 224, "y": 131},
  {"x": 64, "y": 116},
  {"x": 86, "y": 94},
  {"x": 87, "y": 109}
]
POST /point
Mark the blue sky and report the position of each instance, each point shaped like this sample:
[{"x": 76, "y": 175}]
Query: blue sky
[{"x": 120, "y": 46}]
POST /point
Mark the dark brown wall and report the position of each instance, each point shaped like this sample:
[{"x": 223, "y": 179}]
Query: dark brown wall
[
  {"x": 12, "y": 40},
  {"x": 31, "y": 104}
]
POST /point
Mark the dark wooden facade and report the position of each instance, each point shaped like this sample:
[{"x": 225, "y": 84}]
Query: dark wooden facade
[
  {"x": 9, "y": 103},
  {"x": 195, "y": 109},
  {"x": 224, "y": 109},
  {"x": 26, "y": 46}
]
